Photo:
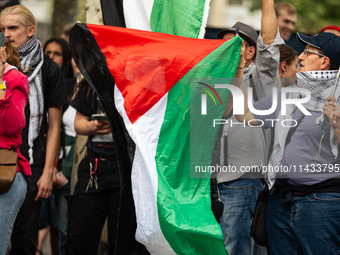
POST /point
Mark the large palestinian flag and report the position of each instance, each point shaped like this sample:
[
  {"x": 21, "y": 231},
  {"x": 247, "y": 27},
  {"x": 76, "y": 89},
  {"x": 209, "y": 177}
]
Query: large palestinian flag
[{"x": 160, "y": 80}]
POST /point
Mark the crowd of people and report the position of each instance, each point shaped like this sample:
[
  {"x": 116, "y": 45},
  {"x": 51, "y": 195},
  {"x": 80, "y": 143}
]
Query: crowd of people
[{"x": 40, "y": 86}]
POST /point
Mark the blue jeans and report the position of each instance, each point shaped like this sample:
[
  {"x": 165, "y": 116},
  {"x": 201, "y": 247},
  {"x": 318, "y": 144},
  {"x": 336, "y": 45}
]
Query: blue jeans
[
  {"x": 10, "y": 204},
  {"x": 48, "y": 215},
  {"x": 239, "y": 199},
  {"x": 308, "y": 225}
]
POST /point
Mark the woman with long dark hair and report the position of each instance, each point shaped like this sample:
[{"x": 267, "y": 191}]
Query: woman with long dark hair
[
  {"x": 59, "y": 51},
  {"x": 288, "y": 65}
]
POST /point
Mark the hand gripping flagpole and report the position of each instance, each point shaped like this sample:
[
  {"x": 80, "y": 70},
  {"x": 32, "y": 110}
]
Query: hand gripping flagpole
[{"x": 325, "y": 120}]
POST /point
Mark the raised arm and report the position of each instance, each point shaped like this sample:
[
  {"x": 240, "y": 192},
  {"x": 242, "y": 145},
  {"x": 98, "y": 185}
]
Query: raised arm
[
  {"x": 266, "y": 73},
  {"x": 268, "y": 22},
  {"x": 238, "y": 83}
]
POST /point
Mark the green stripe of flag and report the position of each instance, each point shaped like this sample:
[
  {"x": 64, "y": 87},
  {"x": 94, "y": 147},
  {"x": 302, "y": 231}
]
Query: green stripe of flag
[
  {"x": 179, "y": 17},
  {"x": 187, "y": 139}
]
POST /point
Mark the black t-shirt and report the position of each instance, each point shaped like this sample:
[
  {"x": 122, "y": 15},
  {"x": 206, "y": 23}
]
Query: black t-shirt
[
  {"x": 88, "y": 103},
  {"x": 70, "y": 84},
  {"x": 55, "y": 94}
]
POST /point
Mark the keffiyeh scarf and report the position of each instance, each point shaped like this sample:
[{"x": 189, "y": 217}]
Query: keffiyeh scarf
[
  {"x": 320, "y": 84},
  {"x": 32, "y": 58}
]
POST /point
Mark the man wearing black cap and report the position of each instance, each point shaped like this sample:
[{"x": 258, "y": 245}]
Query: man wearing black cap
[
  {"x": 302, "y": 213},
  {"x": 309, "y": 222},
  {"x": 247, "y": 147},
  {"x": 317, "y": 50}
]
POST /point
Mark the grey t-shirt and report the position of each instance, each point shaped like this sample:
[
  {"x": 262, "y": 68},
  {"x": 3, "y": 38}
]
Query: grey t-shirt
[
  {"x": 248, "y": 147},
  {"x": 300, "y": 154}
]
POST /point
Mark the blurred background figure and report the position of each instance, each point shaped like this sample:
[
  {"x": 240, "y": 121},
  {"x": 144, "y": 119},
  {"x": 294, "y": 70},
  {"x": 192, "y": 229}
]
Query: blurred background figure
[
  {"x": 288, "y": 65},
  {"x": 331, "y": 29},
  {"x": 6, "y": 3},
  {"x": 58, "y": 50},
  {"x": 286, "y": 19},
  {"x": 66, "y": 33}
]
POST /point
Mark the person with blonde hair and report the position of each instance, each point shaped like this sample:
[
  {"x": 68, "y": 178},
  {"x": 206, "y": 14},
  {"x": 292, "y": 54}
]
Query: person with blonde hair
[{"x": 40, "y": 136}]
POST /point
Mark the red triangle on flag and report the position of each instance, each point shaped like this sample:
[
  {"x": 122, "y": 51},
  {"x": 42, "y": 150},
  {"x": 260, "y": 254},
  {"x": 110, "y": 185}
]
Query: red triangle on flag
[{"x": 146, "y": 65}]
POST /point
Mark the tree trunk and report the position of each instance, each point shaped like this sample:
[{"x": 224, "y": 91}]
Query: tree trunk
[
  {"x": 65, "y": 12},
  {"x": 93, "y": 12}
]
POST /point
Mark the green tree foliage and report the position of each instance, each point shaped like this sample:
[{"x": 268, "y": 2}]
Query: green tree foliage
[{"x": 312, "y": 14}]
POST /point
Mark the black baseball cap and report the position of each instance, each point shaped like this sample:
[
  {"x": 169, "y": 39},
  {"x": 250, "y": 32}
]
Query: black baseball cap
[
  {"x": 245, "y": 31},
  {"x": 327, "y": 42}
]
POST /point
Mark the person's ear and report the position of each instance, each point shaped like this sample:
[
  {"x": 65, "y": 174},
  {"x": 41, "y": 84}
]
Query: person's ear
[
  {"x": 325, "y": 61},
  {"x": 283, "y": 66},
  {"x": 31, "y": 30},
  {"x": 251, "y": 52}
]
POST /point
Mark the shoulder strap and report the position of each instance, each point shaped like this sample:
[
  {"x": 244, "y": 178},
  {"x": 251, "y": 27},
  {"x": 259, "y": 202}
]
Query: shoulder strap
[
  {"x": 94, "y": 102},
  {"x": 292, "y": 130},
  {"x": 252, "y": 85},
  {"x": 271, "y": 145}
]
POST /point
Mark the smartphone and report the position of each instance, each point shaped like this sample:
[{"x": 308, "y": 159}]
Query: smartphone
[
  {"x": 101, "y": 117},
  {"x": 2, "y": 39},
  {"x": 61, "y": 179}
]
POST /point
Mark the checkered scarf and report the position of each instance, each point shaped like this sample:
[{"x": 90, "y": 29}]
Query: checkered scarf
[
  {"x": 32, "y": 58},
  {"x": 320, "y": 84}
]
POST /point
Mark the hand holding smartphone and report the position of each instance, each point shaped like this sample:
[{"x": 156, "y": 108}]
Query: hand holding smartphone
[{"x": 102, "y": 118}]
